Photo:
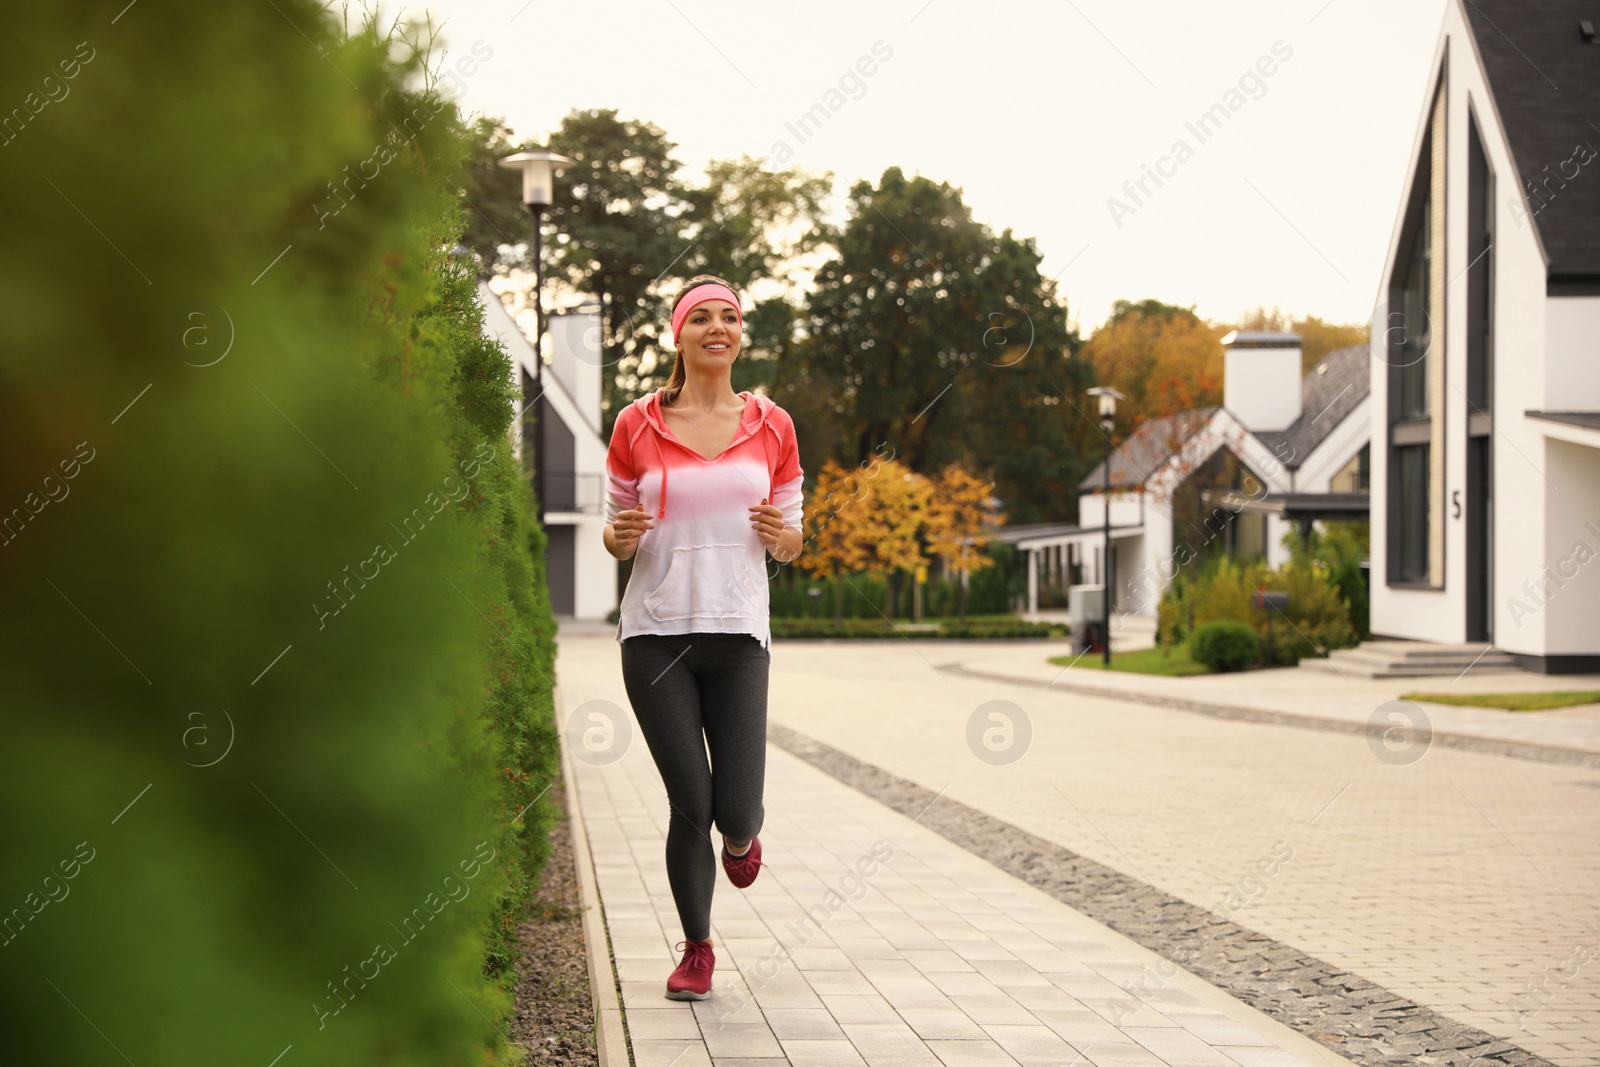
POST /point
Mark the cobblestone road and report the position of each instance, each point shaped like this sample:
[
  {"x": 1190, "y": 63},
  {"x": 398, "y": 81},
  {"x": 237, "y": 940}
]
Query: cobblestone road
[{"x": 1461, "y": 880}]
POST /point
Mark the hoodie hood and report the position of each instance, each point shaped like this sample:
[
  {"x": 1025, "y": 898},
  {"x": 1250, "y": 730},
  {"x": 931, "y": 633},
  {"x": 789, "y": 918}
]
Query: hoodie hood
[{"x": 755, "y": 422}]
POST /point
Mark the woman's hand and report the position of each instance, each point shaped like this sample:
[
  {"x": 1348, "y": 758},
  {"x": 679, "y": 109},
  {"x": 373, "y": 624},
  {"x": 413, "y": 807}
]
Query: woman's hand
[
  {"x": 626, "y": 531},
  {"x": 768, "y": 523}
]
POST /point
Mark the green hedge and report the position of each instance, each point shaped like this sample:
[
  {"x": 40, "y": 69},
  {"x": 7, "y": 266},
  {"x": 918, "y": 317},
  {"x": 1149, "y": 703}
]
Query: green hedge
[
  {"x": 990, "y": 591},
  {"x": 877, "y": 628},
  {"x": 473, "y": 378},
  {"x": 275, "y": 685}
]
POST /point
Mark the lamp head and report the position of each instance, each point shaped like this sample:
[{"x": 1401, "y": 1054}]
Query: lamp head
[
  {"x": 539, "y": 169},
  {"x": 1108, "y": 398}
]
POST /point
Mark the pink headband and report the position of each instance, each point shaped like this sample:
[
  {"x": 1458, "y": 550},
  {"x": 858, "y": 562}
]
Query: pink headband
[{"x": 699, "y": 295}]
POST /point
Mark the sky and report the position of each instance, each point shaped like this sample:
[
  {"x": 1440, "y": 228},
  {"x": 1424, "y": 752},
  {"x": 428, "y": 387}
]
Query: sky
[{"x": 1045, "y": 115}]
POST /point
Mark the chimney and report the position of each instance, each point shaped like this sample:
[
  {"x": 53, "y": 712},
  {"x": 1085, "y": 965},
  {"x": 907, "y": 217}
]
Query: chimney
[{"x": 1261, "y": 378}]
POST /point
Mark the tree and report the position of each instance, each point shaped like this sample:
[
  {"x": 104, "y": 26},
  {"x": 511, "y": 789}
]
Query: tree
[
  {"x": 749, "y": 224},
  {"x": 617, "y": 226},
  {"x": 754, "y": 227},
  {"x": 1317, "y": 338},
  {"x": 930, "y": 333},
  {"x": 894, "y": 515},
  {"x": 834, "y": 544},
  {"x": 625, "y": 228},
  {"x": 959, "y": 518},
  {"x": 499, "y": 227},
  {"x": 870, "y": 519},
  {"x": 276, "y": 539},
  {"x": 1163, "y": 359}
]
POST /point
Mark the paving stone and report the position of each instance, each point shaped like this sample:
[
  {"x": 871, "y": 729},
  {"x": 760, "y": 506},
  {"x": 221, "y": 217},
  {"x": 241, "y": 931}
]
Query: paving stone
[
  {"x": 784, "y": 990},
  {"x": 1339, "y": 1009}
]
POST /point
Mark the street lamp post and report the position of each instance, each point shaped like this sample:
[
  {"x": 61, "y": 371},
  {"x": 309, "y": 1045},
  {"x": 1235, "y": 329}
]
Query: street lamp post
[
  {"x": 539, "y": 169},
  {"x": 1108, "y": 398}
]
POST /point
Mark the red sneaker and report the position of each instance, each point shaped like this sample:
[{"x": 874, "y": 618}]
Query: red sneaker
[
  {"x": 742, "y": 870},
  {"x": 692, "y": 979}
]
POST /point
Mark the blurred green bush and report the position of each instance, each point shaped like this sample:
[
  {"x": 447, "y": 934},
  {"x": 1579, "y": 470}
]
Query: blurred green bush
[
  {"x": 1224, "y": 646},
  {"x": 277, "y": 649},
  {"x": 1316, "y": 621}
]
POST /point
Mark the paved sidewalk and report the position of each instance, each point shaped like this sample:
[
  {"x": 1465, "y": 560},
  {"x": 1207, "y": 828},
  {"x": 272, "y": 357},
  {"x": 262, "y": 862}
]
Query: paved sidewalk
[
  {"x": 1291, "y": 691},
  {"x": 871, "y": 940},
  {"x": 1459, "y": 879}
]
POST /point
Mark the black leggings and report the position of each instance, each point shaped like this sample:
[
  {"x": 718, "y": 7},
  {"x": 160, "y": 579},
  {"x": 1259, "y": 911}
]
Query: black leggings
[{"x": 690, "y": 692}]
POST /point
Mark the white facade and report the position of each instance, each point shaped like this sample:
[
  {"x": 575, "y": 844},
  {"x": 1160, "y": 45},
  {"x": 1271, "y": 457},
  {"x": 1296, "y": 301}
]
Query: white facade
[
  {"x": 1543, "y": 497},
  {"x": 1316, "y": 471},
  {"x": 581, "y": 574},
  {"x": 1147, "y": 551}
]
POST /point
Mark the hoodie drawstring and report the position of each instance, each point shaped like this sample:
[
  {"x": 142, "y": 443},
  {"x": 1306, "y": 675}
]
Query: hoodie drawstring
[{"x": 766, "y": 447}]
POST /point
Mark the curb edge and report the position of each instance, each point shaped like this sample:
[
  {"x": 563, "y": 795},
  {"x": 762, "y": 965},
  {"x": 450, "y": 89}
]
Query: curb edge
[{"x": 611, "y": 1037}]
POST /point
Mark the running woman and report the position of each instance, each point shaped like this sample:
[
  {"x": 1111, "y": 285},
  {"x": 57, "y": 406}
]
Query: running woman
[{"x": 701, "y": 484}]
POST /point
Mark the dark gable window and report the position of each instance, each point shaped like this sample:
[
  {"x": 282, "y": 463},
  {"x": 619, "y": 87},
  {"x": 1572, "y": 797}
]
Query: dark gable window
[
  {"x": 1415, "y": 349},
  {"x": 1415, "y": 327},
  {"x": 1411, "y": 559},
  {"x": 1480, "y": 386}
]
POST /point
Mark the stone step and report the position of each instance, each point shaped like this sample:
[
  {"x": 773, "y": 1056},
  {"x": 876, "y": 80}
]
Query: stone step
[
  {"x": 1349, "y": 669},
  {"x": 1412, "y": 659},
  {"x": 1424, "y": 649},
  {"x": 1361, "y": 657}
]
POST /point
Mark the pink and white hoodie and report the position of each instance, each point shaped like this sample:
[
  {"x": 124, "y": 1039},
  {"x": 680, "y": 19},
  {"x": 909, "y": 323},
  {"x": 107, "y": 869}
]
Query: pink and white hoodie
[{"x": 701, "y": 567}]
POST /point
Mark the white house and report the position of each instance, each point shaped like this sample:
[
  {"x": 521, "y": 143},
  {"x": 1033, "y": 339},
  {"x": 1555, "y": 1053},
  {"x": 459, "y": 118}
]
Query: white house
[
  {"x": 582, "y": 575},
  {"x": 1301, "y": 446},
  {"x": 1485, "y": 412}
]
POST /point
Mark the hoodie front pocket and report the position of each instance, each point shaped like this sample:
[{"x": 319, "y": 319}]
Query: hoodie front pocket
[{"x": 705, "y": 581}]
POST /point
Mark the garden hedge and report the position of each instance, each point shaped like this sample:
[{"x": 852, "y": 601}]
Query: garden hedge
[{"x": 271, "y": 619}]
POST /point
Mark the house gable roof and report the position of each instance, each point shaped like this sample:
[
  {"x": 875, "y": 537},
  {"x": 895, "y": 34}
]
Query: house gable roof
[
  {"x": 1147, "y": 449},
  {"x": 1546, "y": 83},
  {"x": 1333, "y": 389}
]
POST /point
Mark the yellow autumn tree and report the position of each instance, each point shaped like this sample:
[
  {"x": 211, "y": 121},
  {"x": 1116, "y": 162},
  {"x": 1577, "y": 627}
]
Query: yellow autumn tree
[
  {"x": 1317, "y": 338},
  {"x": 959, "y": 520},
  {"x": 892, "y": 525},
  {"x": 1162, "y": 359},
  {"x": 870, "y": 519},
  {"x": 834, "y": 547}
]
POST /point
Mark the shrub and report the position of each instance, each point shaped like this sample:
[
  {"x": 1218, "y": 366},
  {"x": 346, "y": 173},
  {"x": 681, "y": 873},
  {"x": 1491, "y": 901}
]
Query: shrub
[
  {"x": 1341, "y": 547},
  {"x": 1175, "y": 613},
  {"x": 1318, "y": 617},
  {"x": 278, "y": 747},
  {"x": 471, "y": 376},
  {"x": 995, "y": 589},
  {"x": 1224, "y": 646},
  {"x": 1317, "y": 620}
]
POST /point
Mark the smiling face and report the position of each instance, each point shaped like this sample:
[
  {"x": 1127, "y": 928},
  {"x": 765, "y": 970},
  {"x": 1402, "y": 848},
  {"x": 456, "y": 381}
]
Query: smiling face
[{"x": 712, "y": 334}]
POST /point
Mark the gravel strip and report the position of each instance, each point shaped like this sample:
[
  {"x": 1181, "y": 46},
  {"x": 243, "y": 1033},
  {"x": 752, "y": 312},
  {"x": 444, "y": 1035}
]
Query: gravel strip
[
  {"x": 1516, "y": 749},
  {"x": 1359, "y": 1020},
  {"x": 554, "y": 1016}
]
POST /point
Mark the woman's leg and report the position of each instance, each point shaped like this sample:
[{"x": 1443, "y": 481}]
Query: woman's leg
[
  {"x": 666, "y": 701},
  {"x": 733, "y": 676}
]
